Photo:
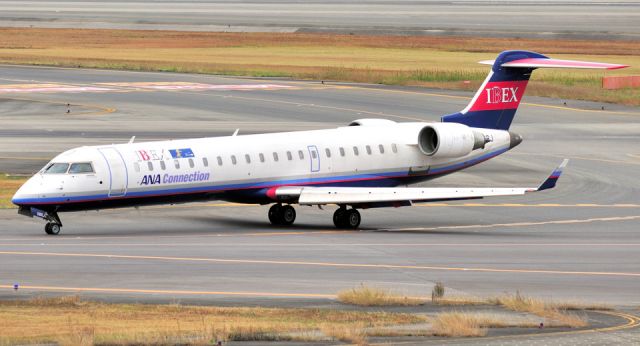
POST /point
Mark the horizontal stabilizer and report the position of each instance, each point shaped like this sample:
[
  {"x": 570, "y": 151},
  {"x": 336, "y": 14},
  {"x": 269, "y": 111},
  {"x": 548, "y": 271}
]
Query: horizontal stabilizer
[{"x": 557, "y": 63}]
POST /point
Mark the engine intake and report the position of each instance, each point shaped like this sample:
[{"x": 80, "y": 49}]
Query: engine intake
[{"x": 449, "y": 140}]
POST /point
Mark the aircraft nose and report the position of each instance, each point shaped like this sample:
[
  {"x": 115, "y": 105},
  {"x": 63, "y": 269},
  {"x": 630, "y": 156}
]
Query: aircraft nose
[
  {"x": 514, "y": 139},
  {"x": 18, "y": 196},
  {"x": 24, "y": 192}
]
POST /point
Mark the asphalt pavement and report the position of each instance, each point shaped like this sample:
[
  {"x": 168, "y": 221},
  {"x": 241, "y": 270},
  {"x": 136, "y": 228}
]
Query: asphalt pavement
[{"x": 576, "y": 242}]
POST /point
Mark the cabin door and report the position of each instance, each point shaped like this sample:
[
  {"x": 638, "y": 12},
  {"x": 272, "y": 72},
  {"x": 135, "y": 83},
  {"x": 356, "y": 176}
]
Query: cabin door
[
  {"x": 314, "y": 156},
  {"x": 118, "y": 179}
]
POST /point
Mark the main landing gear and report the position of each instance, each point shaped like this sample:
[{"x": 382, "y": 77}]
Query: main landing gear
[
  {"x": 285, "y": 215},
  {"x": 346, "y": 218},
  {"x": 282, "y": 215}
]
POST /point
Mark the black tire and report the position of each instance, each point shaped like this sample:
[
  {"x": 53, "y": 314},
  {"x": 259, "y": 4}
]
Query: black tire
[
  {"x": 275, "y": 214},
  {"x": 287, "y": 215},
  {"x": 352, "y": 219},
  {"x": 338, "y": 217},
  {"x": 52, "y": 228}
]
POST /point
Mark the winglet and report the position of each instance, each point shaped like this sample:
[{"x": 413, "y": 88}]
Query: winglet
[{"x": 551, "y": 181}]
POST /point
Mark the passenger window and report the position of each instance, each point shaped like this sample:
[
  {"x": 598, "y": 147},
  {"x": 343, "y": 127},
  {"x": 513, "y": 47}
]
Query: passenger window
[
  {"x": 341, "y": 151},
  {"x": 301, "y": 154},
  {"x": 381, "y": 148},
  {"x": 261, "y": 155},
  {"x": 247, "y": 158},
  {"x": 191, "y": 163},
  {"x": 57, "y": 168},
  {"x": 83, "y": 167},
  {"x": 275, "y": 156},
  {"x": 163, "y": 165},
  {"x": 355, "y": 151},
  {"x": 177, "y": 163},
  {"x": 328, "y": 152},
  {"x": 219, "y": 161},
  {"x": 289, "y": 156},
  {"x": 136, "y": 166},
  {"x": 394, "y": 148},
  {"x": 205, "y": 162},
  {"x": 233, "y": 159},
  {"x": 368, "y": 149},
  {"x": 150, "y": 166}
]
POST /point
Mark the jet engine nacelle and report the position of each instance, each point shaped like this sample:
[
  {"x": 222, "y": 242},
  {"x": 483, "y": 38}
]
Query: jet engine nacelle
[{"x": 449, "y": 140}]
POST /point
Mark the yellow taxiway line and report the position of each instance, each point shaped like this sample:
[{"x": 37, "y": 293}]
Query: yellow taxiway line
[{"x": 155, "y": 291}]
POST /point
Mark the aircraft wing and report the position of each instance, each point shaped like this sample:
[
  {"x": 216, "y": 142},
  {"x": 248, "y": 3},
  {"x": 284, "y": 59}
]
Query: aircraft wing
[{"x": 383, "y": 196}]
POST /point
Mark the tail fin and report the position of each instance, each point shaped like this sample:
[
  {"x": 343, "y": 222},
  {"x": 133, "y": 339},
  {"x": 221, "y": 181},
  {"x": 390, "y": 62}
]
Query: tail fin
[{"x": 496, "y": 102}]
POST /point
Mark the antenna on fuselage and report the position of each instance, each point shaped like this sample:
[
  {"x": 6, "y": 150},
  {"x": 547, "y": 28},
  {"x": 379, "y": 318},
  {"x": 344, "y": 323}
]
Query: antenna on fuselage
[
  {"x": 133, "y": 138},
  {"x": 235, "y": 132}
]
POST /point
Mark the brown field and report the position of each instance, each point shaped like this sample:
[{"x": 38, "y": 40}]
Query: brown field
[
  {"x": 68, "y": 320},
  {"x": 71, "y": 321},
  {"x": 554, "y": 311},
  {"x": 373, "y": 296},
  {"x": 441, "y": 62},
  {"x": 8, "y": 186}
]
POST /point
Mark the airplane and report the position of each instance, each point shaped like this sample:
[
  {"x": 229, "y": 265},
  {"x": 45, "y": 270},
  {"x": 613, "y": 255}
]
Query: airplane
[{"x": 366, "y": 164}]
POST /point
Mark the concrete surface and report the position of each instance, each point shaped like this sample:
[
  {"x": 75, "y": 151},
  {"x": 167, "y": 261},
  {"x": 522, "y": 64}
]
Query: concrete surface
[
  {"x": 577, "y": 242},
  {"x": 592, "y": 19}
]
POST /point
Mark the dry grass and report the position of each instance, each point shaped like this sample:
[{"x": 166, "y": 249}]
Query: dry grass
[
  {"x": 371, "y": 296},
  {"x": 8, "y": 187},
  {"x": 353, "y": 334},
  {"x": 556, "y": 312},
  {"x": 456, "y": 324},
  {"x": 71, "y": 321},
  {"x": 441, "y": 62},
  {"x": 476, "y": 323}
]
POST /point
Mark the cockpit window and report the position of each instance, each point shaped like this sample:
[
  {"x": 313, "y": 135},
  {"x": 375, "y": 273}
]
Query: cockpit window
[
  {"x": 80, "y": 167},
  {"x": 56, "y": 168}
]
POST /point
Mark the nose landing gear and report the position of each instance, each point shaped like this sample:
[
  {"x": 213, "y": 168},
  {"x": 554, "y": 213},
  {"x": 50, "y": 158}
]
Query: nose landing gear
[{"x": 52, "y": 228}]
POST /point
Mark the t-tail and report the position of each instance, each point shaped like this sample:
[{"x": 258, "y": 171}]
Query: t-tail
[{"x": 496, "y": 102}]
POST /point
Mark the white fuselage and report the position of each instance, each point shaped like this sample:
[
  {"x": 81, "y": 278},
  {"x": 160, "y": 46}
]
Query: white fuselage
[{"x": 244, "y": 168}]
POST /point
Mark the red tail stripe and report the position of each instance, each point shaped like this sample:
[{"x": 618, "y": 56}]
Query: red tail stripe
[{"x": 500, "y": 95}]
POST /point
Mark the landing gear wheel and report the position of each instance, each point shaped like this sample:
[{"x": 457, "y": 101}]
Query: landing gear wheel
[
  {"x": 52, "y": 228},
  {"x": 275, "y": 214},
  {"x": 287, "y": 215},
  {"x": 352, "y": 219},
  {"x": 338, "y": 217},
  {"x": 344, "y": 218}
]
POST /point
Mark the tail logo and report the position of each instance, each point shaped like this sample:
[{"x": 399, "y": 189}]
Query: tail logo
[{"x": 501, "y": 95}]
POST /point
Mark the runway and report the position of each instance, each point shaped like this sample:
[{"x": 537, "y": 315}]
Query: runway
[
  {"x": 578, "y": 241},
  {"x": 591, "y": 19}
]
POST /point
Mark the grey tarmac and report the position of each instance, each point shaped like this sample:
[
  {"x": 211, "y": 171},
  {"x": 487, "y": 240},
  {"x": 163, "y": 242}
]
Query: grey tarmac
[
  {"x": 576, "y": 242},
  {"x": 591, "y": 19}
]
